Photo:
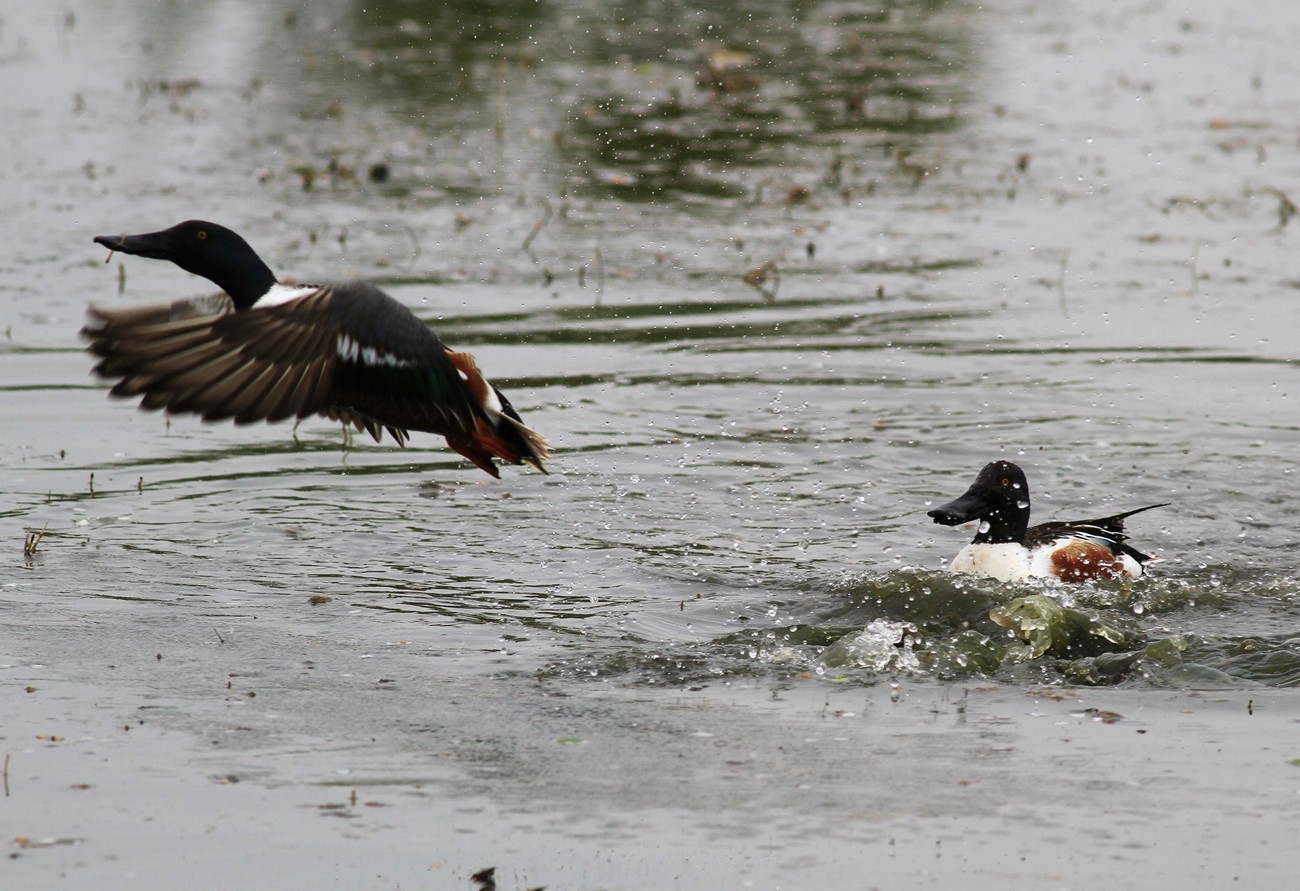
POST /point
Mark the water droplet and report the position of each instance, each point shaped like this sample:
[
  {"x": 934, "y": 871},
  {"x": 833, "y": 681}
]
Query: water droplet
[{"x": 984, "y": 526}]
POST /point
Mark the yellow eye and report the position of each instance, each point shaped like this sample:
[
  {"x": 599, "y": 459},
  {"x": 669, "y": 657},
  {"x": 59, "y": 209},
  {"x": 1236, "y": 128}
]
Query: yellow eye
[
  {"x": 1006, "y": 482},
  {"x": 203, "y": 233}
]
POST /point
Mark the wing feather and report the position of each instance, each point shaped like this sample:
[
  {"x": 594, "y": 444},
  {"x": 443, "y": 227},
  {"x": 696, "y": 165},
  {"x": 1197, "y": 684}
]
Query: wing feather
[{"x": 345, "y": 351}]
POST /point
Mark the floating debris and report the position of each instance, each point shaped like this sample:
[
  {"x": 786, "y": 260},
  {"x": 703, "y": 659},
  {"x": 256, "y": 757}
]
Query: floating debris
[
  {"x": 758, "y": 277},
  {"x": 32, "y": 540},
  {"x": 727, "y": 72},
  {"x": 541, "y": 224}
]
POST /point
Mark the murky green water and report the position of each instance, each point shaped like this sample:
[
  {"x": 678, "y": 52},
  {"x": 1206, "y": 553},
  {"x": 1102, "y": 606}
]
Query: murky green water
[{"x": 1046, "y": 234}]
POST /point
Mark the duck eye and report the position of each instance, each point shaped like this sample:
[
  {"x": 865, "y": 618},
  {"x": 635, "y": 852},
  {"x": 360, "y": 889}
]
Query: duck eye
[
  {"x": 203, "y": 234},
  {"x": 1006, "y": 482}
]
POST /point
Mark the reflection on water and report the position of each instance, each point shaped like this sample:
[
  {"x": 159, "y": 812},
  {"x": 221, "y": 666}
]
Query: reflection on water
[
  {"x": 767, "y": 106},
  {"x": 579, "y": 192},
  {"x": 641, "y": 101}
]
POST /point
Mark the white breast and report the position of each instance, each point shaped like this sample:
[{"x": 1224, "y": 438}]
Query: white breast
[
  {"x": 1013, "y": 563},
  {"x": 1005, "y": 562}
]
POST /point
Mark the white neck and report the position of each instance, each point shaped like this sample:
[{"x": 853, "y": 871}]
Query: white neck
[{"x": 283, "y": 294}]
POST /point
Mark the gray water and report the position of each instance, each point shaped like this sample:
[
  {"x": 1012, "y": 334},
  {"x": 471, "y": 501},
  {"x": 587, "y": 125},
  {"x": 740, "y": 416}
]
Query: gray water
[{"x": 1031, "y": 231}]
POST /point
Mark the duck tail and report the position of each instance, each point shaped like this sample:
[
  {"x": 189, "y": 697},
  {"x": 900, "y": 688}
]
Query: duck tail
[
  {"x": 508, "y": 440},
  {"x": 498, "y": 431}
]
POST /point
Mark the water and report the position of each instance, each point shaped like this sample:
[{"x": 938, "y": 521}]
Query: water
[{"x": 1051, "y": 235}]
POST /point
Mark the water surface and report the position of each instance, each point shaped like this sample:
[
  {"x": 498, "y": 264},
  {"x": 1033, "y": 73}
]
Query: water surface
[{"x": 774, "y": 280}]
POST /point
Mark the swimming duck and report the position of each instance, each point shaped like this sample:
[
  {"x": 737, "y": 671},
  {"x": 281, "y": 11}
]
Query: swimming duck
[
  {"x": 1007, "y": 548},
  {"x": 267, "y": 350}
]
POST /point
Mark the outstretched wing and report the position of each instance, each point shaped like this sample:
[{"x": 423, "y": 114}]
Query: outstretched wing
[
  {"x": 347, "y": 351},
  {"x": 321, "y": 353}
]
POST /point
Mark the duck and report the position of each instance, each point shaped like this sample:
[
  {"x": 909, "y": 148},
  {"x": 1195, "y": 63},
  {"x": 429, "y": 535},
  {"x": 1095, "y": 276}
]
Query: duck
[
  {"x": 266, "y": 349},
  {"x": 1008, "y": 549}
]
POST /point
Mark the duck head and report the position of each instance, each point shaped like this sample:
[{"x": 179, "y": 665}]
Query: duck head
[
  {"x": 999, "y": 499},
  {"x": 206, "y": 249}
]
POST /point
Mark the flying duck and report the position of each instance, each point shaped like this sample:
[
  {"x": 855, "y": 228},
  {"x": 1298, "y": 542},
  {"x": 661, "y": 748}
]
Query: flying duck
[
  {"x": 1007, "y": 548},
  {"x": 268, "y": 350}
]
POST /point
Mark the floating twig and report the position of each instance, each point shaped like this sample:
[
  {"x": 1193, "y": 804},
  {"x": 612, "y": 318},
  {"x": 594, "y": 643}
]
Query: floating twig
[
  {"x": 32, "y": 540},
  {"x": 1286, "y": 208},
  {"x": 1181, "y": 201},
  {"x": 501, "y": 100},
  {"x": 540, "y": 224},
  {"x": 757, "y": 278},
  {"x": 415, "y": 242},
  {"x": 902, "y": 161}
]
